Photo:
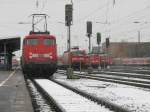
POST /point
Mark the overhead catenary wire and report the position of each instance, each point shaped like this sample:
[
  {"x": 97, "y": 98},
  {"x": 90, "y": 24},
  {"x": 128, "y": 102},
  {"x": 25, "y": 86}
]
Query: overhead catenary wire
[
  {"x": 123, "y": 23},
  {"x": 40, "y": 5},
  {"x": 91, "y": 13}
]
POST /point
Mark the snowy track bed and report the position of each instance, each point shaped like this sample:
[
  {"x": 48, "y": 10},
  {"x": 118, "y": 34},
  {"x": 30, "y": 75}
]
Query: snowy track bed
[
  {"x": 38, "y": 101},
  {"x": 133, "y": 98},
  {"x": 130, "y": 69},
  {"x": 138, "y": 82},
  {"x": 68, "y": 100}
]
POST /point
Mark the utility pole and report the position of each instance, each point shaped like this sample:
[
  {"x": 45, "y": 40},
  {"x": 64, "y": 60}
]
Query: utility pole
[
  {"x": 139, "y": 36},
  {"x": 139, "y": 39},
  {"x": 98, "y": 42}
]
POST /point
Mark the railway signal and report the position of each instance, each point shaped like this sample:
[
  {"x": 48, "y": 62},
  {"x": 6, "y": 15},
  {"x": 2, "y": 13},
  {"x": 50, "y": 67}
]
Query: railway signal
[
  {"x": 68, "y": 23},
  {"x": 98, "y": 42},
  {"x": 107, "y": 42},
  {"x": 68, "y": 14},
  {"x": 89, "y": 32},
  {"x": 98, "y": 38},
  {"x": 89, "y": 28}
]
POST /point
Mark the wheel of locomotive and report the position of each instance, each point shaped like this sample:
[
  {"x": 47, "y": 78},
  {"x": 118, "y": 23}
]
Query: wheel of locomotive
[
  {"x": 23, "y": 71},
  {"x": 46, "y": 74}
]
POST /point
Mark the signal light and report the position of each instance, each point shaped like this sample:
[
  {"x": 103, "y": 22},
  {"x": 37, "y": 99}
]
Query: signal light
[
  {"x": 89, "y": 27},
  {"x": 107, "y": 42},
  {"x": 98, "y": 38},
  {"x": 68, "y": 14}
]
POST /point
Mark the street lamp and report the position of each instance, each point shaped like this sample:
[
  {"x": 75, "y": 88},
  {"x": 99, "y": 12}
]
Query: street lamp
[
  {"x": 103, "y": 22},
  {"x": 24, "y": 23},
  {"x": 139, "y": 35},
  {"x": 60, "y": 22},
  {"x": 139, "y": 38},
  {"x": 138, "y": 32}
]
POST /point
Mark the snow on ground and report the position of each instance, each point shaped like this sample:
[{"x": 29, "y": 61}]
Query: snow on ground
[
  {"x": 68, "y": 100},
  {"x": 133, "y": 98}
]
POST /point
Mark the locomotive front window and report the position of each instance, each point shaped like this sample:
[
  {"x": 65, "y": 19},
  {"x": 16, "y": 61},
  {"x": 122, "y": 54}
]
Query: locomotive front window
[
  {"x": 32, "y": 41},
  {"x": 49, "y": 42},
  {"x": 78, "y": 53}
]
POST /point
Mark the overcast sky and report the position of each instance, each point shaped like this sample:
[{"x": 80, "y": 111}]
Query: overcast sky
[{"x": 120, "y": 16}]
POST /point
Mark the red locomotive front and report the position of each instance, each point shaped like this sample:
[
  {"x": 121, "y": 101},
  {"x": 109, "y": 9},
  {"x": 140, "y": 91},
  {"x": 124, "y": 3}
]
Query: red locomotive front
[
  {"x": 39, "y": 54},
  {"x": 78, "y": 58},
  {"x": 75, "y": 57}
]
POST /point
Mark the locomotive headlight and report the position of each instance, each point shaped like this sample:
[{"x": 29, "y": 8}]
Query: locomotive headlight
[
  {"x": 30, "y": 55},
  {"x": 51, "y": 57}
]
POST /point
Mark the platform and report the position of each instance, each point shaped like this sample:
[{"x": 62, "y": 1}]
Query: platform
[{"x": 14, "y": 96}]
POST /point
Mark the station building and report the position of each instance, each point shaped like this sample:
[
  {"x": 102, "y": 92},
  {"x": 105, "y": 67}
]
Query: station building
[{"x": 127, "y": 49}]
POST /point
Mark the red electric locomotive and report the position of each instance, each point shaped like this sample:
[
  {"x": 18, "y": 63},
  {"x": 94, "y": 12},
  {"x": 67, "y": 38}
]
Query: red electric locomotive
[
  {"x": 39, "y": 53},
  {"x": 76, "y": 58},
  {"x": 96, "y": 60}
]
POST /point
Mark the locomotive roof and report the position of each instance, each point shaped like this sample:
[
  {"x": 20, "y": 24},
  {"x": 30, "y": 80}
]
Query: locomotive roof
[{"x": 40, "y": 35}]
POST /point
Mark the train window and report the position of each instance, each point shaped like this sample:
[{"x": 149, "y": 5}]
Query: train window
[
  {"x": 49, "y": 42},
  {"x": 78, "y": 53},
  {"x": 32, "y": 41}
]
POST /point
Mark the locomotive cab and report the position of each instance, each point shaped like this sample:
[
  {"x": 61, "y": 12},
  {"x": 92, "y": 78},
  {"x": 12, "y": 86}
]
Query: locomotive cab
[{"x": 39, "y": 54}]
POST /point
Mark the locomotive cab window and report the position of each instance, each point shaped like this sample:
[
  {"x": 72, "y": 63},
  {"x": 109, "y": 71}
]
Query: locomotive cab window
[
  {"x": 78, "y": 53},
  {"x": 49, "y": 42},
  {"x": 32, "y": 41}
]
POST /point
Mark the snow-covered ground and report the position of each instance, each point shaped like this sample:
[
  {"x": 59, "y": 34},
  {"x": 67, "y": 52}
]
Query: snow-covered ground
[
  {"x": 133, "y": 98},
  {"x": 68, "y": 100}
]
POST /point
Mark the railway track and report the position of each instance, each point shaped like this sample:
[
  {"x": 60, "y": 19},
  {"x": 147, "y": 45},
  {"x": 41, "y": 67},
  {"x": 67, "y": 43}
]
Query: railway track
[
  {"x": 130, "y": 69},
  {"x": 57, "y": 104},
  {"x": 40, "y": 101},
  {"x": 116, "y": 80},
  {"x": 138, "y": 80},
  {"x": 126, "y": 96},
  {"x": 124, "y": 74},
  {"x": 65, "y": 98}
]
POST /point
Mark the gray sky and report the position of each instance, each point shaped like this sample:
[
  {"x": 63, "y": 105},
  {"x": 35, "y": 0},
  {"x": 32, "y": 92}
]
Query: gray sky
[{"x": 120, "y": 16}]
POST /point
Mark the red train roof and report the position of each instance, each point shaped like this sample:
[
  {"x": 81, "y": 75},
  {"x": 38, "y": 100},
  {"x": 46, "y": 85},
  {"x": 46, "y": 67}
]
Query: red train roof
[{"x": 40, "y": 35}]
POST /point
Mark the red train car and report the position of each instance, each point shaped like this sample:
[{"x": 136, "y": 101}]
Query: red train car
[
  {"x": 143, "y": 61},
  {"x": 105, "y": 60},
  {"x": 75, "y": 58},
  {"x": 96, "y": 60},
  {"x": 39, "y": 55}
]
